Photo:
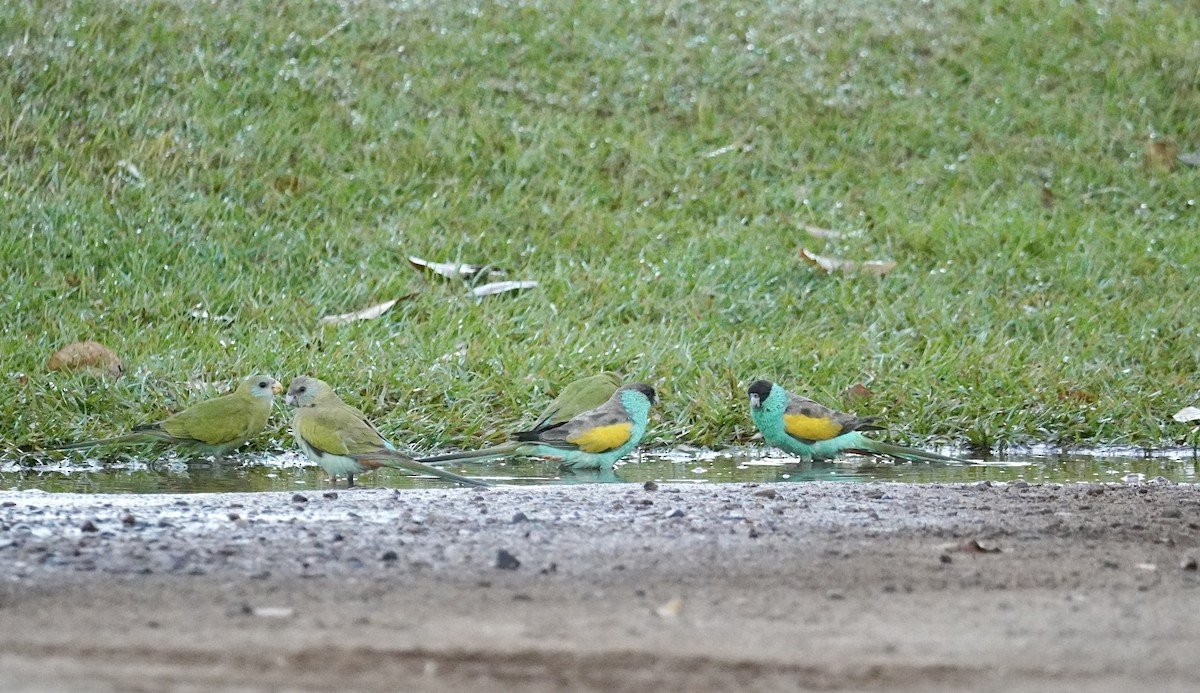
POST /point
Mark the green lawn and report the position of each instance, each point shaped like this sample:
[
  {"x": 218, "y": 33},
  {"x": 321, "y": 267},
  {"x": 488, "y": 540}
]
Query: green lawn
[{"x": 652, "y": 165}]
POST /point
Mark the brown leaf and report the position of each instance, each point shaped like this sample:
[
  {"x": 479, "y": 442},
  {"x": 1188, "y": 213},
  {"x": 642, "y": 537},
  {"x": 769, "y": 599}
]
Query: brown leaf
[
  {"x": 857, "y": 393},
  {"x": 452, "y": 270},
  {"x": 1071, "y": 395},
  {"x": 92, "y": 357},
  {"x": 1048, "y": 200},
  {"x": 818, "y": 232},
  {"x": 1159, "y": 155},
  {"x": 369, "y": 313},
  {"x": 286, "y": 184},
  {"x": 500, "y": 287},
  {"x": 73, "y": 280},
  {"x": 829, "y": 264}
]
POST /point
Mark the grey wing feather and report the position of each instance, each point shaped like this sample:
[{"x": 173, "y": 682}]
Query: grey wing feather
[
  {"x": 607, "y": 414},
  {"x": 849, "y": 422}
]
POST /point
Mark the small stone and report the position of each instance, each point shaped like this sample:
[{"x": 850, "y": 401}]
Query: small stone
[
  {"x": 297, "y": 498},
  {"x": 506, "y": 561},
  {"x": 330, "y": 495},
  {"x": 522, "y": 597},
  {"x": 835, "y": 596},
  {"x": 767, "y": 493},
  {"x": 519, "y": 517},
  {"x": 1188, "y": 563},
  {"x": 753, "y": 534},
  {"x": 675, "y": 513},
  {"x": 389, "y": 556},
  {"x": 875, "y": 494},
  {"x": 129, "y": 520},
  {"x": 650, "y": 486},
  {"x": 1019, "y": 483},
  {"x": 89, "y": 526},
  {"x": 9, "y": 504},
  {"x": 945, "y": 558},
  {"x": 1172, "y": 513},
  {"x": 234, "y": 517}
]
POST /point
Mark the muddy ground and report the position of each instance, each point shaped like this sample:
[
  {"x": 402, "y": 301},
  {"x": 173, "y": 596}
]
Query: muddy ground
[{"x": 825, "y": 586}]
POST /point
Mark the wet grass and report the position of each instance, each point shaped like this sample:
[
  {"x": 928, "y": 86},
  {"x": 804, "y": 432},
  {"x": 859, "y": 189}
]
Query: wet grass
[{"x": 652, "y": 165}]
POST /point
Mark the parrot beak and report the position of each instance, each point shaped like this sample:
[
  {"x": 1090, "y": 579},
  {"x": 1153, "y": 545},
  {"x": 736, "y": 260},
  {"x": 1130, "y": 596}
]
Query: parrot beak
[
  {"x": 289, "y": 400},
  {"x": 277, "y": 388},
  {"x": 754, "y": 401}
]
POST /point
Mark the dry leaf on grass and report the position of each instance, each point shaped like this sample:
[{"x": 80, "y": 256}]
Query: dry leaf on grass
[
  {"x": 369, "y": 313},
  {"x": 1187, "y": 415},
  {"x": 829, "y": 264},
  {"x": 1160, "y": 155},
  {"x": 1190, "y": 159},
  {"x": 818, "y": 232},
  {"x": 92, "y": 357},
  {"x": 857, "y": 393},
  {"x": 500, "y": 287},
  {"x": 452, "y": 270}
]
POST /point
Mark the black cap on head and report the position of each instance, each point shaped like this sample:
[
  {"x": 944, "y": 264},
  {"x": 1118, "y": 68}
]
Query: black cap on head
[
  {"x": 644, "y": 389},
  {"x": 761, "y": 389}
]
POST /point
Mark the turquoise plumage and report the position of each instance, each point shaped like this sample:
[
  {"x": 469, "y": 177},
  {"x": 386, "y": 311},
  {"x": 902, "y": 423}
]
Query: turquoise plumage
[
  {"x": 594, "y": 439},
  {"x": 813, "y": 432}
]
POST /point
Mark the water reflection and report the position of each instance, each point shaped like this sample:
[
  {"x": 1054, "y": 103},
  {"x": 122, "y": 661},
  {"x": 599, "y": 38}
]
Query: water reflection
[{"x": 290, "y": 472}]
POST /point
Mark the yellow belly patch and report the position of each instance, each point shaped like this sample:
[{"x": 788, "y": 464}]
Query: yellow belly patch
[
  {"x": 602, "y": 438},
  {"x": 808, "y": 428}
]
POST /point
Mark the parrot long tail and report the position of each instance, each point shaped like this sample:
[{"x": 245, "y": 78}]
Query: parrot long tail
[
  {"x": 502, "y": 450},
  {"x": 874, "y": 447},
  {"x": 398, "y": 460},
  {"x": 127, "y": 438}
]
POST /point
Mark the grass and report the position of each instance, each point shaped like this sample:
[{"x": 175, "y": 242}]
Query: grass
[{"x": 652, "y": 165}]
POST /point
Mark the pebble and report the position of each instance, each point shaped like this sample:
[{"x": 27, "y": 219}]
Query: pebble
[
  {"x": 297, "y": 498},
  {"x": 650, "y": 486},
  {"x": 389, "y": 556},
  {"x": 89, "y": 526},
  {"x": 506, "y": 561},
  {"x": 675, "y": 513},
  {"x": 767, "y": 493}
]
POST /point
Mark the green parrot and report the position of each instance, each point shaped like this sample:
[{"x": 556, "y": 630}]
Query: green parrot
[
  {"x": 210, "y": 428},
  {"x": 813, "y": 432},
  {"x": 338, "y": 437},
  {"x": 578, "y": 397},
  {"x": 594, "y": 439}
]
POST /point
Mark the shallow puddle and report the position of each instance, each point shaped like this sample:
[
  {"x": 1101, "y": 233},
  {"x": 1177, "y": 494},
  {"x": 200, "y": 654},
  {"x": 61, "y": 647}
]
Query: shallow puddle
[{"x": 290, "y": 472}]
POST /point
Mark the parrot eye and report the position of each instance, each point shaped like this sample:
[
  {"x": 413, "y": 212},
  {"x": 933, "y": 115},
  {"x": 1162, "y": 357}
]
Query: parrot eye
[
  {"x": 262, "y": 384},
  {"x": 302, "y": 389}
]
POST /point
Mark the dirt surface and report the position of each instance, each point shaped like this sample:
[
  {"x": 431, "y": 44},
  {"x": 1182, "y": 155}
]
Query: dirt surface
[{"x": 606, "y": 587}]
